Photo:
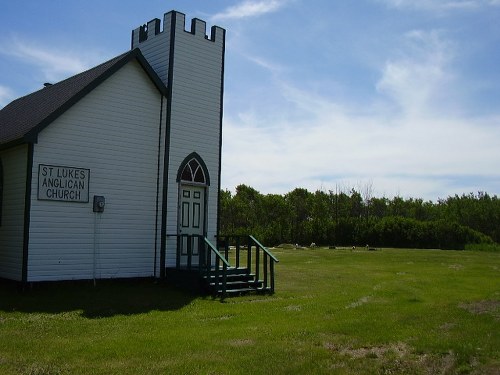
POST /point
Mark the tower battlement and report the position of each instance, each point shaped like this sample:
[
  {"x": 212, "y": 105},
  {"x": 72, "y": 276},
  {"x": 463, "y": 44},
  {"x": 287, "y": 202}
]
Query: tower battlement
[{"x": 154, "y": 27}]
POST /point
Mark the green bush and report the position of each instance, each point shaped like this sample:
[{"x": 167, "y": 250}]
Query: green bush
[
  {"x": 411, "y": 233},
  {"x": 490, "y": 247},
  {"x": 347, "y": 218}
]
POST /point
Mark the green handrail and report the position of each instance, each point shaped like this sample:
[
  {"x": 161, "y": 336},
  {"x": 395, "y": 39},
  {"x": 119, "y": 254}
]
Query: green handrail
[
  {"x": 255, "y": 261},
  {"x": 214, "y": 249},
  {"x": 264, "y": 248},
  {"x": 205, "y": 263},
  {"x": 225, "y": 265}
]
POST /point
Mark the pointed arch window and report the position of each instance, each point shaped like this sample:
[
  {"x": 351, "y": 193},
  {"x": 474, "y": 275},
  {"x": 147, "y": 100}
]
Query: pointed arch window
[{"x": 193, "y": 170}]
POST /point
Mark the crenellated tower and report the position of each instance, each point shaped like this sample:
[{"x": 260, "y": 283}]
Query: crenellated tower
[
  {"x": 191, "y": 64},
  {"x": 157, "y": 43}
]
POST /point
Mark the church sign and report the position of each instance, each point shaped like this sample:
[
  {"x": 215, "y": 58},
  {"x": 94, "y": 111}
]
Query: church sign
[{"x": 58, "y": 183}]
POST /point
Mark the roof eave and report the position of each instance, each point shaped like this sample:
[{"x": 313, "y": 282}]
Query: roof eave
[
  {"x": 32, "y": 135},
  {"x": 14, "y": 143},
  {"x": 150, "y": 71}
]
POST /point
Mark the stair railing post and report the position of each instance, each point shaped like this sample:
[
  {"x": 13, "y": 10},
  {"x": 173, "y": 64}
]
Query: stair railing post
[
  {"x": 189, "y": 239},
  {"x": 257, "y": 262},
  {"x": 207, "y": 257},
  {"x": 249, "y": 256},
  {"x": 238, "y": 248},
  {"x": 226, "y": 249},
  {"x": 178, "y": 250},
  {"x": 209, "y": 260},
  {"x": 201, "y": 255},
  {"x": 224, "y": 281},
  {"x": 272, "y": 275},
  {"x": 265, "y": 270},
  {"x": 216, "y": 276}
]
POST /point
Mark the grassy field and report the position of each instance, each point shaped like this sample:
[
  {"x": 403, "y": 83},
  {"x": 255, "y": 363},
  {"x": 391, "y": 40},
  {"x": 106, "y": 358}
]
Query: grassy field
[{"x": 334, "y": 312}]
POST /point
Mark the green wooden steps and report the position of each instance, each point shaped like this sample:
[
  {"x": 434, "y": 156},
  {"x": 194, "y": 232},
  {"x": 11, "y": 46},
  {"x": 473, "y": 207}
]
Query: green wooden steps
[{"x": 238, "y": 281}]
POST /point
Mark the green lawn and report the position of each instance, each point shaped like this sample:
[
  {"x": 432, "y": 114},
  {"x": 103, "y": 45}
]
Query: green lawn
[{"x": 334, "y": 311}]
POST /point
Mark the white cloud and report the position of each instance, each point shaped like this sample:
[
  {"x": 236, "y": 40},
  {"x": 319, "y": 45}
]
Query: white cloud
[
  {"x": 53, "y": 63},
  {"x": 413, "y": 155},
  {"x": 249, "y": 8},
  {"x": 266, "y": 64},
  {"x": 6, "y": 95},
  {"x": 420, "y": 150},
  {"x": 416, "y": 79}
]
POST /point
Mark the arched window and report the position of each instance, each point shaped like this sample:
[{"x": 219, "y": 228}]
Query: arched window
[{"x": 193, "y": 170}]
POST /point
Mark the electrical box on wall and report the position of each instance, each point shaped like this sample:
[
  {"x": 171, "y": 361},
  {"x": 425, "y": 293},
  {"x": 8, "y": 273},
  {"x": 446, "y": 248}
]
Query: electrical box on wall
[{"x": 99, "y": 203}]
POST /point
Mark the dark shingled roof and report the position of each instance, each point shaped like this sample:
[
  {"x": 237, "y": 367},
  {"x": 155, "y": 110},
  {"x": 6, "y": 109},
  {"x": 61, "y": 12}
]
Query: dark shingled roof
[{"x": 24, "y": 118}]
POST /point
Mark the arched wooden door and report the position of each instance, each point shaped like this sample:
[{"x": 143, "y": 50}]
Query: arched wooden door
[{"x": 193, "y": 182}]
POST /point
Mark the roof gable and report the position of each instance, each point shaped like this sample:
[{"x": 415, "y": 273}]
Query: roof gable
[{"x": 24, "y": 118}]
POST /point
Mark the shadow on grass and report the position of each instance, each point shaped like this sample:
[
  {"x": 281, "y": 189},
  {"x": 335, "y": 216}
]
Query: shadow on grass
[{"x": 108, "y": 298}]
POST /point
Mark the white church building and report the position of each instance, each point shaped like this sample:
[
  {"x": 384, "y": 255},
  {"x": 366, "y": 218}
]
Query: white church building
[
  {"x": 97, "y": 169},
  {"x": 115, "y": 172}
]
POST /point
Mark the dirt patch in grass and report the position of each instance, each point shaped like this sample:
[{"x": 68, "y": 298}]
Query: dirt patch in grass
[
  {"x": 399, "y": 358},
  {"x": 491, "y": 307},
  {"x": 399, "y": 350},
  {"x": 37, "y": 369},
  {"x": 437, "y": 364},
  {"x": 447, "y": 326},
  {"x": 293, "y": 308},
  {"x": 359, "y": 302}
]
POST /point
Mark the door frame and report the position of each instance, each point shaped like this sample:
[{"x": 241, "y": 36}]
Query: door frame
[{"x": 192, "y": 172}]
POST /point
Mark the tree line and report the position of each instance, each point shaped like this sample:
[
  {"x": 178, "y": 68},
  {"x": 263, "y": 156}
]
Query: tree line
[{"x": 353, "y": 217}]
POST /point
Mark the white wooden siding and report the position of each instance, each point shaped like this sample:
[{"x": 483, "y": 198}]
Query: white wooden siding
[
  {"x": 195, "y": 119},
  {"x": 157, "y": 48},
  {"x": 113, "y": 131},
  {"x": 12, "y": 229}
]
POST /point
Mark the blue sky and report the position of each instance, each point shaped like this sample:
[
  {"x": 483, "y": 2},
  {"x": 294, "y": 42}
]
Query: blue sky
[{"x": 400, "y": 97}]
